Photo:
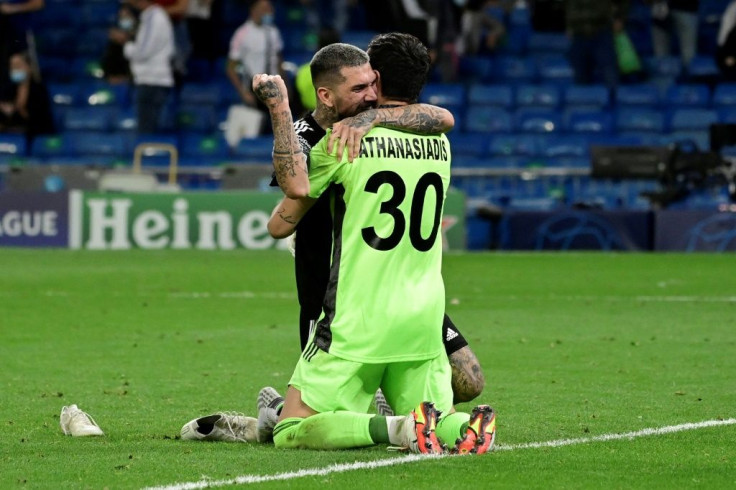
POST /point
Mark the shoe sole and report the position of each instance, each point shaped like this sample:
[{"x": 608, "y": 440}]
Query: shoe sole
[
  {"x": 427, "y": 442},
  {"x": 481, "y": 432}
]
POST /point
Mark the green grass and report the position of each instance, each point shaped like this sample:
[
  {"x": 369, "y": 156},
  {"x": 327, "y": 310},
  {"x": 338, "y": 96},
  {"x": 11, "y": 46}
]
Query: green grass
[{"x": 573, "y": 345}]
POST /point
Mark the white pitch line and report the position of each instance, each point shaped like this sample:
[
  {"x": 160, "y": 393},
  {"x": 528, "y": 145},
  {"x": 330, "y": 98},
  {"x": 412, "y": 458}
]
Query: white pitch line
[{"x": 413, "y": 458}]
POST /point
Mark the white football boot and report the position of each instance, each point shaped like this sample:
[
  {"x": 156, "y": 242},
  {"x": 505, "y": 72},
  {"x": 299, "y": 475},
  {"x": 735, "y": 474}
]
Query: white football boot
[
  {"x": 268, "y": 416},
  {"x": 75, "y": 422},
  {"x": 222, "y": 426}
]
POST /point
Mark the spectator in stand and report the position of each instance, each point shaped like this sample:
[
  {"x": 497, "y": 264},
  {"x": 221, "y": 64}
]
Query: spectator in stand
[
  {"x": 201, "y": 29},
  {"x": 177, "y": 10},
  {"x": 150, "y": 55},
  {"x": 726, "y": 50},
  {"x": 482, "y": 29},
  {"x": 25, "y": 106},
  {"x": 591, "y": 25},
  {"x": 115, "y": 66},
  {"x": 255, "y": 48},
  {"x": 675, "y": 18},
  {"x": 15, "y": 27}
]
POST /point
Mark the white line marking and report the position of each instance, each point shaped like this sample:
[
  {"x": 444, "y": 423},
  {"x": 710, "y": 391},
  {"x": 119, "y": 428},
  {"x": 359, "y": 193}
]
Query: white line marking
[{"x": 413, "y": 458}]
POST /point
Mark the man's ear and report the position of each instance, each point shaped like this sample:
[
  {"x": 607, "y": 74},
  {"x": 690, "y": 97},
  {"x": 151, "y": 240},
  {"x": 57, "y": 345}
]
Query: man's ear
[
  {"x": 325, "y": 96},
  {"x": 378, "y": 82}
]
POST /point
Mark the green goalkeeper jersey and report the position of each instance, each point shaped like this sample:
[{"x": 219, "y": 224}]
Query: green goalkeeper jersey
[{"x": 386, "y": 299}]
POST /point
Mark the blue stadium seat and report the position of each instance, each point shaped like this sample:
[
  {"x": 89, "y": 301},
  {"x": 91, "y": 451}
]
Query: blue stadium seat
[
  {"x": 637, "y": 95},
  {"x": 700, "y": 140},
  {"x": 101, "y": 93},
  {"x": 255, "y": 149},
  {"x": 555, "y": 69},
  {"x": 548, "y": 42},
  {"x": 12, "y": 147},
  {"x": 487, "y": 120},
  {"x": 57, "y": 41},
  {"x": 99, "y": 14},
  {"x": 196, "y": 117},
  {"x": 56, "y": 70},
  {"x": 703, "y": 66},
  {"x": 90, "y": 143},
  {"x": 468, "y": 144},
  {"x": 692, "y": 119},
  {"x": 200, "y": 93},
  {"x": 724, "y": 94},
  {"x": 517, "y": 69},
  {"x": 585, "y": 120},
  {"x": 639, "y": 119},
  {"x": 465, "y": 161},
  {"x": 490, "y": 95},
  {"x": 594, "y": 96},
  {"x": 64, "y": 94},
  {"x": 520, "y": 16},
  {"x": 663, "y": 66},
  {"x": 514, "y": 145},
  {"x": 153, "y": 156},
  {"x": 727, "y": 115},
  {"x": 531, "y": 120},
  {"x": 690, "y": 95},
  {"x": 564, "y": 146},
  {"x": 203, "y": 146},
  {"x": 51, "y": 146},
  {"x": 125, "y": 120},
  {"x": 547, "y": 96},
  {"x": 444, "y": 94},
  {"x": 476, "y": 68},
  {"x": 95, "y": 39},
  {"x": 90, "y": 118}
]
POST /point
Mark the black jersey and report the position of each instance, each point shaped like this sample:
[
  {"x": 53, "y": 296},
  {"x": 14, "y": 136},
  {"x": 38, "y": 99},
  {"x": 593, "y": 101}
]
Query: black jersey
[{"x": 313, "y": 241}]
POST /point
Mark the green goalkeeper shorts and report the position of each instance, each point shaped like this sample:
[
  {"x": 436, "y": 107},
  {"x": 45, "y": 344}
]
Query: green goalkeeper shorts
[{"x": 328, "y": 383}]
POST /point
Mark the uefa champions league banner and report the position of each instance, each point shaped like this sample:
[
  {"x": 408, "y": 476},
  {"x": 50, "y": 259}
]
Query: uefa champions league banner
[
  {"x": 37, "y": 219},
  {"x": 197, "y": 220},
  {"x": 577, "y": 230},
  {"x": 695, "y": 231}
]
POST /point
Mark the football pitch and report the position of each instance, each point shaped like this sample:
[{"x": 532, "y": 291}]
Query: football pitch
[{"x": 606, "y": 370}]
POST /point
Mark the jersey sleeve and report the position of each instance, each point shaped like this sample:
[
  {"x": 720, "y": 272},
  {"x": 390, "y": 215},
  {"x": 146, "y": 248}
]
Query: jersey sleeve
[{"x": 324, "y": 168}]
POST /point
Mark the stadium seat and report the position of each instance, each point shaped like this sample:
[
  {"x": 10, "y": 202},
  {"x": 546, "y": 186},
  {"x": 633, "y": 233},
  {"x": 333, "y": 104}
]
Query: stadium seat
[
  {"x": 689, "y": 95},
  {"x": 476, "y": 69},
  {"x": 200, "y": 93},
  {"x": 358, "y": 38},
  {"x": 90, "y": 118},
  {"x": 444, "y": 94},
  {"x": 487, "y": 120},
  {"x": 481, "y": 94},
  {"x": 12, "y": 147},
  {"x": 637, "y": 95},
  {"x": 532, "y": 120},
  {"x": 57, "y": 41},
  {"x": 55, "y": 70},
  {"x": 555, "y": 69},
  {"x": 125, "y": 120},
  {"x": 95, "y": 39},
  {"x": 98, "y": 14},
  {"x": 153, "y": 156},
  {"x": 86, "y": 143},
  {"x": 586, "y": 120},
  {"x": 699, "y": 140},
  {"x": 692, "y": 119},
  {"x": 515, "y": 69},
  {"x": 547, "y": 96},
  {"x": 203, "y": 146},
  {"x": 514, "y": 145},
  {"x": 254, "y": 149},
  {"x": 724, "y": 94},
  {"x": 548, "y": 42},
  {"x": 101, "y": 93},
  {"x": 727, "y": 115},
  {"x": 564, "y": 146},
  {"x": 639, "y": 119},
  {"x": 50, "y": 146},
  {"x": 593, "y": 96},
  {"x": 468, "y": 144},
  {"x": 663, "y": 66},
  {"x": 703, "y": 66},
  {"x": 196, "y": 117},
  {"x": 64, "y": 94}
]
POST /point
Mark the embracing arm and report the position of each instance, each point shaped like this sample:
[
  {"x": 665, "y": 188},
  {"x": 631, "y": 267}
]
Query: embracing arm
[
  {"x": 414, "y": 118},
  {"x": 286, "y": 216},
  {"x": 289, "y": 161}
]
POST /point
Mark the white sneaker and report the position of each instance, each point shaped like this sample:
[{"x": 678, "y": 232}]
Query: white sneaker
[
  {"x": 268, "y": 416},
  {"x": 77, "y": 423},
  {"x": 223, "y": 426}
]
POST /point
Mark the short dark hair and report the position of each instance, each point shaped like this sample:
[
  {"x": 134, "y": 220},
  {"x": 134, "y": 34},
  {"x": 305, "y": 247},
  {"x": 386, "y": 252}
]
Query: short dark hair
[
  {"x": 328, "y": 61},
  {"x": 403, "y": 64}
]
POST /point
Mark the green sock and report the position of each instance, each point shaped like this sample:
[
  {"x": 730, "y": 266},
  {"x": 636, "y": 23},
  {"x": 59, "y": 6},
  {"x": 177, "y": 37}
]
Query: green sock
[
  {"x": 328, "y": 430},
  {"x": 451, "y": 427},
  {"x": 378, "y": 429}
]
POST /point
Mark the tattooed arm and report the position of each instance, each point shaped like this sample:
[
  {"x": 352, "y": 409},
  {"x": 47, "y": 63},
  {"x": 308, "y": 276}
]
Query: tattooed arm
[
  {"x": 467, "y": 375},
  {"x": 289, "y": 161},
  {"x": 286, "y": 216},
  {"x": 414, "y": 118}
]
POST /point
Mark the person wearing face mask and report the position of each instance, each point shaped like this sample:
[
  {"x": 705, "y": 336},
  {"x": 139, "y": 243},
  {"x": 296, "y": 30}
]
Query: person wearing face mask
[
  {"x": 24, "y": 102},
  {"x": 114, "y": 64},
  {"x": 255, "y": 47}
]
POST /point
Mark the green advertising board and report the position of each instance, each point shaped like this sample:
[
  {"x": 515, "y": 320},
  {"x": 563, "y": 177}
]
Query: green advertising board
[{"x": 198, "y": 220}]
